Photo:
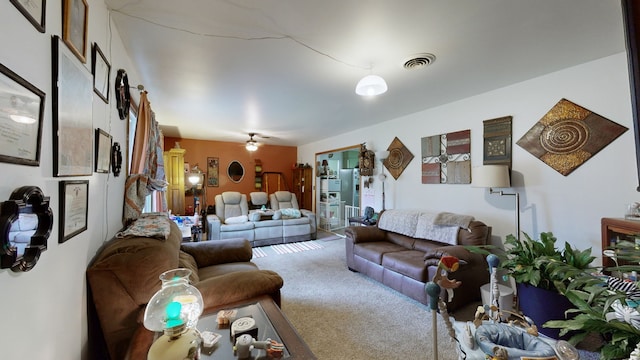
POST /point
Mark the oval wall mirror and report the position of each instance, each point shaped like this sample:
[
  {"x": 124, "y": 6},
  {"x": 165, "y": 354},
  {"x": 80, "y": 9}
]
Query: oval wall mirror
[
  {"x": 25, "y": 225},
  {"x": 235, "y": 171}
]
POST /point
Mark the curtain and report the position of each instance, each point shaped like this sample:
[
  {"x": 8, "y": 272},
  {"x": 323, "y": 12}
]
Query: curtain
[{"x": 147, "y": 164}]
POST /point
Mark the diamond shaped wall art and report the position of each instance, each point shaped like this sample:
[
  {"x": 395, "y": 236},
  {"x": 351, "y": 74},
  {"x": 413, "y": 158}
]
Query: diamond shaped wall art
[
  {"x": 569, "y": 135},
  {"x": 398, "y": 159}
]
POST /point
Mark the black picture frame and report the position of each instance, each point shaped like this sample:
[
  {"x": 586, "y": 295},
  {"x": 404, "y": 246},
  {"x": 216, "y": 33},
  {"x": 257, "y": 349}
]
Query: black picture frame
[
  {"x": 631, "y": 20},
  {"x": 34, "y": 10},
  {"x": 74, "y": 208},
  {"x": 103, "y": 151},
  {"x": 21, "y": 118},
  {"x": 72, "y": 114},
  {"x": 101, "y": 71},
  {"x": 75, "y": 18}
]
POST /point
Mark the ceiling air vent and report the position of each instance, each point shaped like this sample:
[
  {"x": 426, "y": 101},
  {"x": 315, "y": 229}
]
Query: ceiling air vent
[{"x": 418, "y": 61}]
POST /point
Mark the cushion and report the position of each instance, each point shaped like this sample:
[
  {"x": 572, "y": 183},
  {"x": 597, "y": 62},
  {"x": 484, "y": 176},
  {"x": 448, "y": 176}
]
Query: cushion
[
  {"x": 277, "y": 215},
  {"x": 259, "y": 198},
  {"x": 236, "y": 219},
  {"x": 515, "y": 340},
  {"x": 291, "y": 212},
  {"x": 25, "y": 222},
  {"x": 157, "y": 227}
]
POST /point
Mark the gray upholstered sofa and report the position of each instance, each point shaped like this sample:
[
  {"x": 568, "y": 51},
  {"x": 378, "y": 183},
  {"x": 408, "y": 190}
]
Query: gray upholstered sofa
[
  {"x": 403, "y": 250},
  {"x": 285, "y": 222}
]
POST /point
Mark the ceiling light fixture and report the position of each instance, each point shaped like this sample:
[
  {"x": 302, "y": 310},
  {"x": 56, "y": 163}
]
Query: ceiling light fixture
[
  {"x": 371, "y": 85},
  {"x": 252, "y": 145}
]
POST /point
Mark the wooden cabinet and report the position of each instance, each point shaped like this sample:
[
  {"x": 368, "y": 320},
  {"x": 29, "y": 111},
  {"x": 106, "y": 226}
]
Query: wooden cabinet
[
  {"x": 302, "y": 186},
  {"x": 174, "y": 170},
  {"x": 616, "y": 230}
]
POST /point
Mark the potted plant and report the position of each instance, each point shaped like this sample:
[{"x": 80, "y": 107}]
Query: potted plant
[
  {"x": 541, "y": 272},
  {"x": 593, "y": 305}
]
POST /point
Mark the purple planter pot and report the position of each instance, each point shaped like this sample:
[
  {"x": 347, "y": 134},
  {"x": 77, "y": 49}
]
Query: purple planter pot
[{"x": 541, "y": 306}]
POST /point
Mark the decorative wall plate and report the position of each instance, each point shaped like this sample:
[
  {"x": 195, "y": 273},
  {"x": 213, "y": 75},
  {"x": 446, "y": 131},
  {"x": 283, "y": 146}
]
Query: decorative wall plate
[
  {"x": 569, "y": 135},
  {"x": 398, "y": 159},
  {"x": 123, "y": 97}
]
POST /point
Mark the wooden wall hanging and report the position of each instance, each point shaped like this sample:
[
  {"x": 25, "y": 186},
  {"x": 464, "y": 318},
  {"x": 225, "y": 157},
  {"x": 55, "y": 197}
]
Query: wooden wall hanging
[
  {"x": 569, "y": 135},
  {"x": 398, "y": 159},
  {"x": 497, "y": 141},
  {"x": 446, "y": 158}
]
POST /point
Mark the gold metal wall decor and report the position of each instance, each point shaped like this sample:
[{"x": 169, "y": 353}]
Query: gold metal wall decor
[
  {"x": 569, "y": 135},
  {"x": 446, "y": 158},
  {"x": 398, "y": 159},
  {"x": 497, "y": 141}
]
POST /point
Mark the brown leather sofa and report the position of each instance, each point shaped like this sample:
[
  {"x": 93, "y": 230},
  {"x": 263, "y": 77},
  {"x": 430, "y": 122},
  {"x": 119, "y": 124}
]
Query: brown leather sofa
[
  {"x": 401, "y": 253},
  {"x": 124, "y": 276}
]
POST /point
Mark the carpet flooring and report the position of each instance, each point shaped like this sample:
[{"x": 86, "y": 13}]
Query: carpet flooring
[{"x": 345, "y": 315}]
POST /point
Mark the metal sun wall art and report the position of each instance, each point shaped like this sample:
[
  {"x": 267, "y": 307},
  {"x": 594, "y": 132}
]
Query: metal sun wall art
[
  {"x": 446, "y": 158},
  {"x": 569, "y": 135},
  {"x": 398, "y": 159}
]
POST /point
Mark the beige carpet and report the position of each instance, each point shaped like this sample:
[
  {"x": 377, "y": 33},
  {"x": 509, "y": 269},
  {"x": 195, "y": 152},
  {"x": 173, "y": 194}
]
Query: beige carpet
[{"x": 345, "y": 315}]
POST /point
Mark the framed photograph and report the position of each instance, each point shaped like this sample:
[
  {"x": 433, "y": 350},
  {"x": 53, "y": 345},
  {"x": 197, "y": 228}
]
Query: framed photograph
[
  {"x": 72, "y": 114},
  {"x": 101, "y": 69},
  {"x": 213, "y": 171},
  {"x": 33, "y": 10},
  {"x": 21, "y": 117},
  {"x": 75, "y": 14},
  {"x": 103, "y": 151},
  {"x": 74, "y": 206}
]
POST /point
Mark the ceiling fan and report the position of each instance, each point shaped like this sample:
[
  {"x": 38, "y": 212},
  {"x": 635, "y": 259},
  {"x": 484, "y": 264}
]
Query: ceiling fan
[{"x": 252, "y": 145}]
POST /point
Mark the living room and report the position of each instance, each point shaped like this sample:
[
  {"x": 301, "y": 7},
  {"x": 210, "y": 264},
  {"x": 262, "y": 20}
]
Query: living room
[{"x": 45, "y": 308}]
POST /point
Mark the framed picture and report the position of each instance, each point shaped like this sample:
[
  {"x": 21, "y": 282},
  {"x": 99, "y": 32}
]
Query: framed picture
[
  {"x": 101, "y": 69},
  {"x": 72, "y": 114},
  {"x": 33, "y": 10},
  {"x": 74, "y": 205},
  {"x": 21, "y": 116},
  {"x": 103, "y": 151},
  {"x": 75, "y": 15},
  {"x": 213, "y": 171}
]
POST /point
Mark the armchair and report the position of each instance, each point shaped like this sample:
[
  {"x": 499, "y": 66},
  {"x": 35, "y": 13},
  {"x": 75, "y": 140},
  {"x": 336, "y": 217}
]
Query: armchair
[
  {"x": 281, "y": 200},
  {"x": 231, "y": 217}
]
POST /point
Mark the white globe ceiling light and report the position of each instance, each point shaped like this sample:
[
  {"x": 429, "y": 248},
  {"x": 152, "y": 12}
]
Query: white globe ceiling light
[
  {"x": 252, "y": 145},
  {"x": 371, "y": 85}
]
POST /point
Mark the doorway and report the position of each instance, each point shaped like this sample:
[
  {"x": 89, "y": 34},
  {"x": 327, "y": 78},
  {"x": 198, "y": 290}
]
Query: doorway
[{"x": 337, "y": 188}]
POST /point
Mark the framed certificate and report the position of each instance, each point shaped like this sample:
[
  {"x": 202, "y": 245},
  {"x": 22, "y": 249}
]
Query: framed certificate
[{"x": 74, "y": 205}]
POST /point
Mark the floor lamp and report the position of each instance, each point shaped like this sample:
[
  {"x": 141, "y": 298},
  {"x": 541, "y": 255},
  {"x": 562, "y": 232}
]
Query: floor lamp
[
  {"x": 496, "y": 176},
  {"x": 382, "y": 155}
]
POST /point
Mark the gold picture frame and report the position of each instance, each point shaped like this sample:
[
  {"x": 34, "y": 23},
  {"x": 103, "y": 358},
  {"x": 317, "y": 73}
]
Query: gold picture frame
[{"x": 75, "y": 17}]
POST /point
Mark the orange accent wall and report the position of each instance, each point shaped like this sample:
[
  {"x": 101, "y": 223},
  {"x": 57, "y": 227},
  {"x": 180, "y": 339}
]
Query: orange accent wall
[{"x": 274, "y": 159}]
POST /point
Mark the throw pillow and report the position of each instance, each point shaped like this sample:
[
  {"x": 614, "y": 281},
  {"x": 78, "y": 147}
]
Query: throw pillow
[
  {"x": 236, "y": 219},
  {"x": 291, "y": 213}
]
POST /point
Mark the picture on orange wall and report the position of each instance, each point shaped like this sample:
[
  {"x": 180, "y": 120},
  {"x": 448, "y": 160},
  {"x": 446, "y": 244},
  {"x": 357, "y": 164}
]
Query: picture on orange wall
[{"x": 213, "y": 165}]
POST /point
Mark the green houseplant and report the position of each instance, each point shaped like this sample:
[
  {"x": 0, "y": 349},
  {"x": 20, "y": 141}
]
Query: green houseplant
[
  {"x": 593, "y": 301},
  {"x": 542, "y": 272}
]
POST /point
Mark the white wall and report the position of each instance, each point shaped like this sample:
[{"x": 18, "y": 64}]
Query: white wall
[
  {"x": 44, "y": 310},
  {"x": 569, "y": 206}
]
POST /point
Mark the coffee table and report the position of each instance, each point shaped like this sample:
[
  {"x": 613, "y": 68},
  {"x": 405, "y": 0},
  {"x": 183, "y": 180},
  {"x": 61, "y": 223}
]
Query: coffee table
[{"x": 270, "y": 320}]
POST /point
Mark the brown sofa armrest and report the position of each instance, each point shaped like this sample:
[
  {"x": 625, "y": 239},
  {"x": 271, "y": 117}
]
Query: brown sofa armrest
[
  {"x": 238, "y": 286},
  {"x": 213, "y": 252},
  {"x": 360, "y": 234}
]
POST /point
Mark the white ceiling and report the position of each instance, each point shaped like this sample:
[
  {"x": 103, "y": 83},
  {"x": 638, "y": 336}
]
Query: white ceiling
[{"x": 287, "y": 69}]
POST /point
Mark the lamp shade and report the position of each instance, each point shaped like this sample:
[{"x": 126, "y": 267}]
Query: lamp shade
[
  {"x": 491, "y": 176},
  {"x": 371, "y": 85}
]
